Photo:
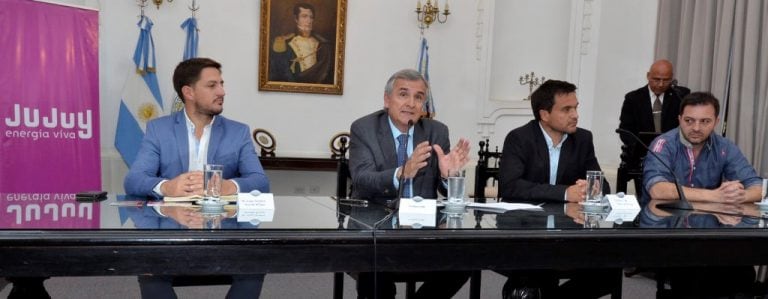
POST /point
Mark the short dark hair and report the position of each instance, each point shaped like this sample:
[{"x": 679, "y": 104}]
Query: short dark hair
[
  {"x": 188, "y": 72},
  {"x": 296, "y": 10},
  {"x": 700, "y": 98},
  {"x": 543, "y": 98}
]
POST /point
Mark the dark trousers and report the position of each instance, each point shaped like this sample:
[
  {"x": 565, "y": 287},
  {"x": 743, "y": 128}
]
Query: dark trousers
[
  {"x": 435, "y": 284},
  {"x": 243, "y": 286},
  {"x": 28, "y": 288},
  {"x": 710, "y": 282},
  {"x": 591, "y": 283}
]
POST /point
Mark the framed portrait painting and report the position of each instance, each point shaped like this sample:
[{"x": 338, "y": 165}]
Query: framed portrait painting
[{"x": 301, "y": 45}]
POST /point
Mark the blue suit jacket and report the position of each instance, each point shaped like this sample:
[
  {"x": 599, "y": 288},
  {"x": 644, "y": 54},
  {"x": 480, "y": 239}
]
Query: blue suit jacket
[{"x": 164, "y": 154}]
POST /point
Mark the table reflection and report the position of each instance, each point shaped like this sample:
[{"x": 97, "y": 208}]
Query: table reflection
[
  {"x": 182, "y": 217},
  {"x": 661, "y": 214},
  {"x": 553, "y": 216}
]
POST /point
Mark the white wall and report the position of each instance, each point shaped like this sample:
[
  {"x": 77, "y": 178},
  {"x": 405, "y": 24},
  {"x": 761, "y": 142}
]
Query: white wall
[{"x": 604, "y": 47}]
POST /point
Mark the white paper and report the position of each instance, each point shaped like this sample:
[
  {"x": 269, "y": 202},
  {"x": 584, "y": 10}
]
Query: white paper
[
  {"x": 261, "y": 207},
  {"x": 422, "y": 212},
  {"x": 625, "y": 208},
  {"x": 502, "y": 207}
]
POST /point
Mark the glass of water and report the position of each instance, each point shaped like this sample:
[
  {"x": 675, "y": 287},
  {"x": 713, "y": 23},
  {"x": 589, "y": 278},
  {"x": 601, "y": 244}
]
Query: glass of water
[
  {"x": 456, "y": 190},
  {"x": 594, "y": 186},
  {"x": 212, "y": 181}
]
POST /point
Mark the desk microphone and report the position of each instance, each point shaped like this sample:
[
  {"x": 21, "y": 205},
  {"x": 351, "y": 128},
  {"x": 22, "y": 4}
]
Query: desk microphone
[
  {"x": 396, "y": 203},
  {"x": 673, "y": 88},
  {"x": 681, "y": 204}
]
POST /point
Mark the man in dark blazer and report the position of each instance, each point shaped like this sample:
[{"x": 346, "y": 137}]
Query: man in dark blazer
[
  {"x": 637, "y": 113},
  {"x": 526, "y": 172},
  {"x": 547, "y": 160},
  {"x": 376, "y": 172},
  {"x": 637, "y": 110}
]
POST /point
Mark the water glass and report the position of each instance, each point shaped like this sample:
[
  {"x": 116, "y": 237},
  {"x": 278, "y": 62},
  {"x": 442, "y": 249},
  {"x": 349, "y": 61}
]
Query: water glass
[
  {"x": 765, "y": 190},
  {"x": 456, "y": 189},
  {"x": 592, "y": 220},
  {"x": 212, "y": 221},
  {"x": 212, "y": 181},
  {"x": 454, "y": 220},
  {"x": 594, "y": 186}
]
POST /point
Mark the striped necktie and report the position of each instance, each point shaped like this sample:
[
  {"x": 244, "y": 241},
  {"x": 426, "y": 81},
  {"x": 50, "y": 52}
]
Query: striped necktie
[{"x": 657, "y": 114}]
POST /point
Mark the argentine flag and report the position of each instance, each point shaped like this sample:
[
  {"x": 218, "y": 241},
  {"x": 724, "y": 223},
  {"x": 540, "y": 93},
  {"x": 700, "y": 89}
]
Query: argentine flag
[
  {"x": 190, "y": 51},
  {"x": 140, "y": 100},
  {"x": 423, "y": 68}
]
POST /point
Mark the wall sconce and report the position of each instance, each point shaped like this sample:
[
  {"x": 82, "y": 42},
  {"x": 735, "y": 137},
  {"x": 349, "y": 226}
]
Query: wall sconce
[
  {"x": 430, "y": 12},
  {"x": 158, "y": 2}
]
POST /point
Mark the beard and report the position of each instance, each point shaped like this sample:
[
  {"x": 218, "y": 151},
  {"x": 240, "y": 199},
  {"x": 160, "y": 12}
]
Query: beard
[{"x": 211, "y": 109}]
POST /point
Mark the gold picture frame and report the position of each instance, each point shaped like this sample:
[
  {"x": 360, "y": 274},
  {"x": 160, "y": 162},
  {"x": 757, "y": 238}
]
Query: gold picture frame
[{"x": 308, "y": 62}]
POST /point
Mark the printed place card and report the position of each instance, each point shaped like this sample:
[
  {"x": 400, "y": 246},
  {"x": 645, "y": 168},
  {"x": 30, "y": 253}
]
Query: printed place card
[
  {"x": 261, "y": 207},
  {"x": 624, "y": 207},
  {"x": 417, "y": 213}
]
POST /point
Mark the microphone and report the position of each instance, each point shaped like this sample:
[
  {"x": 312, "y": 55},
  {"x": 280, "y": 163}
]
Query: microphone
[
  {"x": 681, "y": 204},
  {"x": 396, "y": 203},
  {"x": 673, "y": 89}
]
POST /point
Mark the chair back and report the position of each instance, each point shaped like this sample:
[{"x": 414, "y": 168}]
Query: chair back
[
  {"x": 343, "y": 180},
  {"x": 487, "y": 170}
]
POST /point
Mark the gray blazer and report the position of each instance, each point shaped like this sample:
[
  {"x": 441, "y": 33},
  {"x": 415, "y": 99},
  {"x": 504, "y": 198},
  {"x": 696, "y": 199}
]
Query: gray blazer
[{"x": 373, "y": 157}]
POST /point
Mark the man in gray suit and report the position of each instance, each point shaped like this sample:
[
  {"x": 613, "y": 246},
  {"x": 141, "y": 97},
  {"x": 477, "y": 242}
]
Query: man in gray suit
[{"x": 396, "y": 143}]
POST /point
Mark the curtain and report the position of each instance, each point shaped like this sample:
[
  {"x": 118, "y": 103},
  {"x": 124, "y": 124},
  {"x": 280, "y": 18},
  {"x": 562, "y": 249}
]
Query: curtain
[{"x": 720, "y": 46}]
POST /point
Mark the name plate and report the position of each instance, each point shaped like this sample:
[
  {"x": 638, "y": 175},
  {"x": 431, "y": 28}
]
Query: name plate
[
  {"x": 624, "y": 207},
  {"x": 417, "y": 213},
  {"x": 260, "y": 207}
]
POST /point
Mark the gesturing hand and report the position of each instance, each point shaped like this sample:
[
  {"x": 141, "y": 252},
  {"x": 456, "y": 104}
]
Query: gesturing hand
[{"x": 455, "y": 160}]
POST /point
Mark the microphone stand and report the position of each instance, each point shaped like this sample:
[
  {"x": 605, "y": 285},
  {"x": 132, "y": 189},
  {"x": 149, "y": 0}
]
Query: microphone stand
[
  {"x": 395, "y": 205},
  {"x": 681, "y": 204}
]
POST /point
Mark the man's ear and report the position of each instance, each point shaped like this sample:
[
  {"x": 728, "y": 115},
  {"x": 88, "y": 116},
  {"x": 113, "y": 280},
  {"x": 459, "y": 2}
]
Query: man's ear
[
  {"x": 187, "y": 92},
  {"x": 544, "y": 115}
]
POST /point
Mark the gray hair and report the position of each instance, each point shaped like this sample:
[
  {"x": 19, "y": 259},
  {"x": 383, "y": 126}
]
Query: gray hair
[{"x": 405, "y": 74}]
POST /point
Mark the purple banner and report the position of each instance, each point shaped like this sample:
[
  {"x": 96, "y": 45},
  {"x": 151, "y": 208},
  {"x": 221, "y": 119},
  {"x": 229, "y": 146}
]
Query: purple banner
[{"x": 49, "y": 115}]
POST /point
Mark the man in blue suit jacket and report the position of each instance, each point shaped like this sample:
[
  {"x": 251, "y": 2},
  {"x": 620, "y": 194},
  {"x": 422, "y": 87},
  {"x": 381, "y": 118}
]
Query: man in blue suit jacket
[{"x": 175, "y": 148}]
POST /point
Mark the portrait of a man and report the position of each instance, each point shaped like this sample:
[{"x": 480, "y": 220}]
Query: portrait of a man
[
  {"x": 303, "y": 55},
  {"x": 303, "y": 43}
]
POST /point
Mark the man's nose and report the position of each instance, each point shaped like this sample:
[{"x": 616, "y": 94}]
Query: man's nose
[{"x": 696, "y": 126}]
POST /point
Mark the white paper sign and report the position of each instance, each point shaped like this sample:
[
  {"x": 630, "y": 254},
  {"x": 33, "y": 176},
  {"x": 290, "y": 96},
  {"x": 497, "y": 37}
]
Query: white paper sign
[
  {"x": 261, "y": 207},
  {"x": 421, "y": 213},
  {"x": 625, "y": 208}
]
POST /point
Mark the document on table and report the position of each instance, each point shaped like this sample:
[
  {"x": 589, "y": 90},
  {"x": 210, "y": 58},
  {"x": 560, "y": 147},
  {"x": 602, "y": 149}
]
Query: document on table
[{"x": 501, "y": 207}]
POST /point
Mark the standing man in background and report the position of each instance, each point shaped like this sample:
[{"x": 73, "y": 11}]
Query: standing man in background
[{"x": 651, "y": 108}]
